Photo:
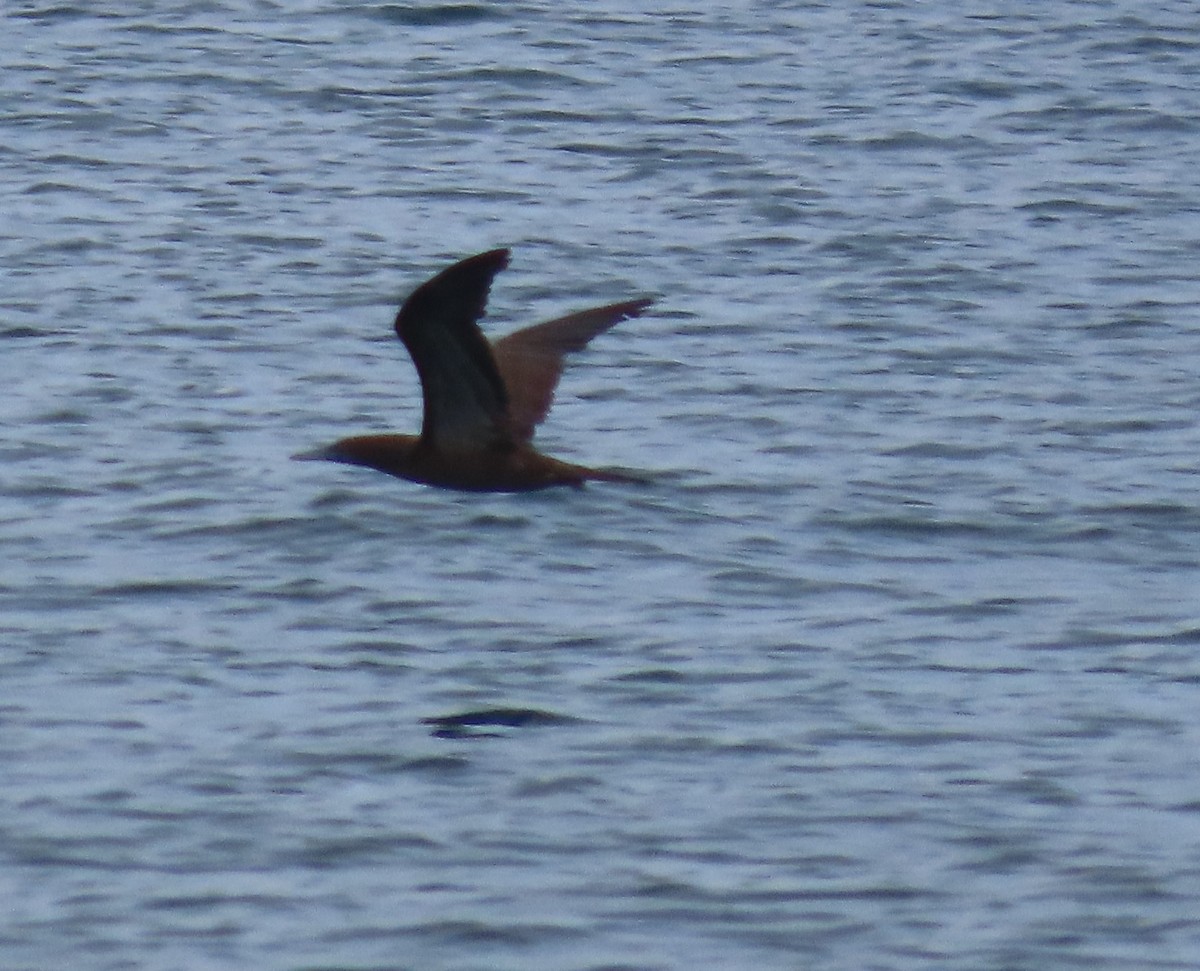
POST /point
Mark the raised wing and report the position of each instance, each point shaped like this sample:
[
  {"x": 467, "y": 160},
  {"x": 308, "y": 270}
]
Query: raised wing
[
  {"x": 531, "y": 360},
  {"x": 466, "y": 405}
]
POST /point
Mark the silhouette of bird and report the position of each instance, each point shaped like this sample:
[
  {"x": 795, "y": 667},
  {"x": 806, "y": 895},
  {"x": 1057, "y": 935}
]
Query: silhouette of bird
[{"x": 482, "y": 401}]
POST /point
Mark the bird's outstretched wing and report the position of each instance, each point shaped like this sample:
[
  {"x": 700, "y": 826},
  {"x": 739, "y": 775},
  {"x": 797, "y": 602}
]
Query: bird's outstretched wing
[
  {"x": 530, "y": 361},
  {"x": 466, "y": 404}
]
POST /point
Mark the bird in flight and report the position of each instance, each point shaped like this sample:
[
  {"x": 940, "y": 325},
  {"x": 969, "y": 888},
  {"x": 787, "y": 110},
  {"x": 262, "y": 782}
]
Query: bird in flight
[{"x": 482, "y": 400}]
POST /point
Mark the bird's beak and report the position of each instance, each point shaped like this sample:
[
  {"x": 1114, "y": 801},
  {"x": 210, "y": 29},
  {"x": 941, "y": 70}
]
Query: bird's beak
[{"x": 324, "y": 454}]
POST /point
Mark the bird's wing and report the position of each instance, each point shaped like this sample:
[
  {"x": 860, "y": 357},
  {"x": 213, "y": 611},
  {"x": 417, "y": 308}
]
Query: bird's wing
[
  {"x": 531, "y": 360},
  {"x": 466, "y": 406}
]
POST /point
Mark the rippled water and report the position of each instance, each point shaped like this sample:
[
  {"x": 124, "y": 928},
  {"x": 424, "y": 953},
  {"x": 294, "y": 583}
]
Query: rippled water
[{"x": 893, "y": 666}]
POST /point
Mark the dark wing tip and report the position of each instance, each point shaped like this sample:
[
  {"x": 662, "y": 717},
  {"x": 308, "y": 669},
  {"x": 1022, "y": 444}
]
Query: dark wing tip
[
  {"x": 635, "y": 308},
  {"x": 499, "y": 256},
  {"x": 489, "y": 264},
  {"x": 460, "y": 290}
]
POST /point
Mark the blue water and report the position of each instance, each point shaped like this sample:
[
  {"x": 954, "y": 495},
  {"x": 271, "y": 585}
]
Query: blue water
[{"x": 894, "y": 665}]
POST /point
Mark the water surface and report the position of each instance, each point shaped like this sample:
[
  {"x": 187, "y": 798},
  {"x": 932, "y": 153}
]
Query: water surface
[{"x": 894, "y": 665}]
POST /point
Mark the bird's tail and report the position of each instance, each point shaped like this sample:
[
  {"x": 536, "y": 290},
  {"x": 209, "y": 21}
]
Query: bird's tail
[{"x": 616, "y": 475}]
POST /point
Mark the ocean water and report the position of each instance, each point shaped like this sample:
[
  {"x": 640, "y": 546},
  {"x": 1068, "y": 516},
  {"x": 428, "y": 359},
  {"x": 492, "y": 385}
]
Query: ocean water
[{"x": 892, "y": 665}]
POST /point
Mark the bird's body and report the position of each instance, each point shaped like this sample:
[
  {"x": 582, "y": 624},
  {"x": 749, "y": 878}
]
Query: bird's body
[
  {"x": 518, "y": 468},
  {"x": 482, "y": 401}
]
